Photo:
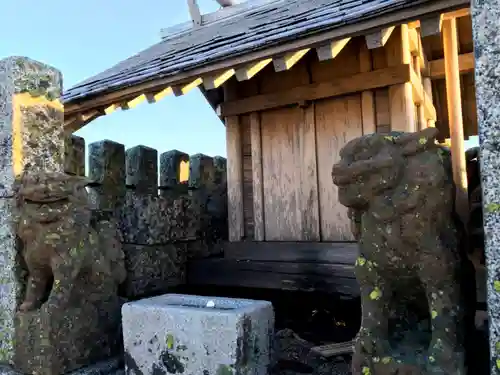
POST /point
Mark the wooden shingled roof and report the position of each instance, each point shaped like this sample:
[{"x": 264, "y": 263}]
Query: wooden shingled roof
[{"x": 236, "y": 36}]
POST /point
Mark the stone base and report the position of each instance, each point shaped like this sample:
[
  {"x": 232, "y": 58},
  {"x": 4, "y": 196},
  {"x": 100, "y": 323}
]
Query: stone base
[
  {"x": 52, "y": 341},
  {"x": 196, "y": 335},
  {"x": 112, "y": 366}
]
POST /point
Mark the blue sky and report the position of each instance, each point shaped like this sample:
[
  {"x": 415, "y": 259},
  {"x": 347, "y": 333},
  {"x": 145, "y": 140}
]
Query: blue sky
[{"x": 84, "y": 37}]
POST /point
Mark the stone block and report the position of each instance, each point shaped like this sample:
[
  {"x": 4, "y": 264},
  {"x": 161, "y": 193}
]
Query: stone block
[
  {"x": 31, "y": 138},
  {"x": 153, "y": 270},
  {"x": 170, "y": 168},
  {"x": 107, "y": 173},
  {"x": 31, "y": 119},
  {"x": 202, "y": 172},
  {"x": 151, "y": 220},
  {"x": 142, "y": 170},
  {"x": 10, "y": 280},
  {"x": 74, "y": 155},
  {"x": 194, "y": 335}
]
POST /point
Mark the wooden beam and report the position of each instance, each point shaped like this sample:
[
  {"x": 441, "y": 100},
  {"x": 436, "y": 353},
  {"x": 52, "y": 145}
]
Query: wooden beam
[
  {"x": 464, "y": 12},
  {"x": 234, "y": 178},
  {"x": 379, "y": 38},
  {"x": 305, "y": 266},
  {"x": 288, "y": 60},
  {"x": 332, "y": 49},
  {"x": 257, "y": 178},
  {"x": 340, "y": 86},
  {"x": 78, "y": 121},
  {"x": 155, "y": 97},
  {"x": 455, "y": 117},
  {"x": 333, "y": 279},
  {"x": 455, "y": 14},
  {"x": 354, "y": 29},
  {"x": 303, "y": 252},
  {"x": 185, "y": 88},
  {"x": 430, "y": 26},
  {"x": 215, "y": 81},
  {"x": 335, "y": 349},
  {"x": 466, "y": 64}
]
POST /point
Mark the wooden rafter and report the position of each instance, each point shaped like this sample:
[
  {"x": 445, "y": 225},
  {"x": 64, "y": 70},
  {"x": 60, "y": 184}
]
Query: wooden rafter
[
  {"x": 379, "y": 38},
  {"x": 331, "y": 50},
  {"x": 288, "y": 60}
]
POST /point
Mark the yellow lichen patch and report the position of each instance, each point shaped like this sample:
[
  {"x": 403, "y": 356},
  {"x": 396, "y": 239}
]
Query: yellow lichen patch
[
  {"x": 434, "y": 314},
  {"x": 366, "y": 371},
  {"x": 422, "y": 141},
  {"x": 496, "y": 285},
  {"x": 498, "y": 363},
  {"x": 492, "y": 207},
  {"x": 360, "y": 261},
  {"x": 376, "y": 294},
  {"x": 497, "y": 346},
  {"x": 386, "y": 360},
  {"x": 389, "y": 138},
  {"x": 169, "y": 341}
]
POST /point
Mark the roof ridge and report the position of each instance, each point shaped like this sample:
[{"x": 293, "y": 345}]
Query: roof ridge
[{"x": 214, "y": 17}]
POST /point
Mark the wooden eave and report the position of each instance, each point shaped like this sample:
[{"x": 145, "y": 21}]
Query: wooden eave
[{"x": 78, "y": 113}]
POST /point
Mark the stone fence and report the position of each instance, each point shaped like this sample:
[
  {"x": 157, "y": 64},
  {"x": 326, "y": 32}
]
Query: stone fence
[{"x": 162, "y": 221}]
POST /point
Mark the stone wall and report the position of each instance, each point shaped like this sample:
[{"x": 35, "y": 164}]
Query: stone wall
[{"x": 162, "y": 220}]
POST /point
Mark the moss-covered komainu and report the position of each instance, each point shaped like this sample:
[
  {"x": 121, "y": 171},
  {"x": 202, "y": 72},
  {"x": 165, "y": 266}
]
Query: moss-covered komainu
[{"x": 400, "y": 193}]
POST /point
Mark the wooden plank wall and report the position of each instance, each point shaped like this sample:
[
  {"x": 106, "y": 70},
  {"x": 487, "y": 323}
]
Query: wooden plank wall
[{"x": 288, "y": 152}]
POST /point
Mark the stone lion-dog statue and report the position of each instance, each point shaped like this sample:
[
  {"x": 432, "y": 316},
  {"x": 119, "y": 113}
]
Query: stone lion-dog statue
[
  {"x": 61, "y": 240},
  {"x": 400, "y": 194}
]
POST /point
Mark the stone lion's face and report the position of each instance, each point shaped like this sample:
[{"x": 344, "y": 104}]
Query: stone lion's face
[
  {"x": 369, "y": 165},
  {"x": 52, "y": 200}
]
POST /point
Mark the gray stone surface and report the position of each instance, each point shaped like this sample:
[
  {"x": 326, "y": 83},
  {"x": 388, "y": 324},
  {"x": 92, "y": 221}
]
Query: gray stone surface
[
  {"x": 142, "y": 169},
  {"x": 113, "y": 366},
  {"x": 486, "y": 32},
  {"x": 172, "y": 334},
  {"x": 152, "y": 270},
  {"x": 31, "y": 128},
  {"x": 170, "y": 168},
  {"x": 74, "y": 155},
  {"x": 107, "y": 173}
]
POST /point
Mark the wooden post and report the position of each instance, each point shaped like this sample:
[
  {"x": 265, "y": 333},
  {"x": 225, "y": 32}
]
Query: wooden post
[
  {"x": 401, "y": 96},
  {"x": 234, "y": 145},
  {"x": 367, "y": 97},
  {"x": 257, "y": 178},
  {"x": 428, "y": 90},
  {"x": 453, "y": 94},
  {"x": 234, "y": 179}
]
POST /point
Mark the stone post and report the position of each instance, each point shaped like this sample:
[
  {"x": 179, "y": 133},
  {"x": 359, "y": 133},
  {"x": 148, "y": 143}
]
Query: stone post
[
  {"x": 31, "y": 138},
  {"x": 485, "y": 24}
]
